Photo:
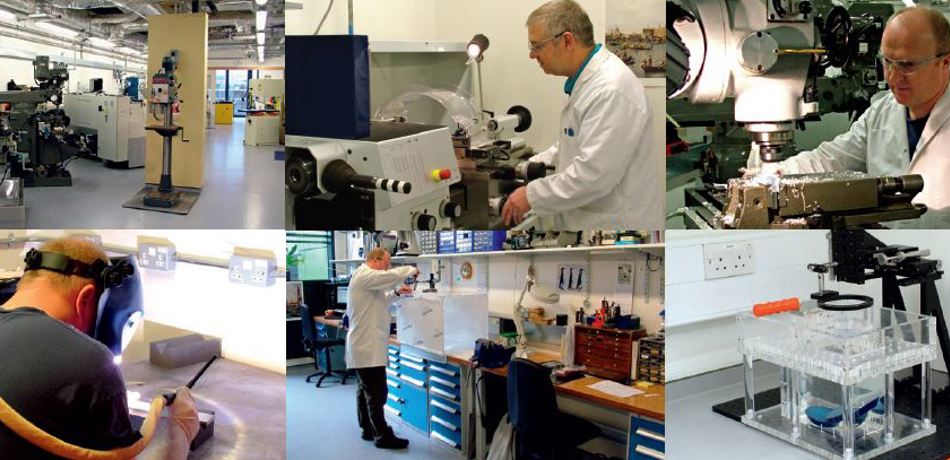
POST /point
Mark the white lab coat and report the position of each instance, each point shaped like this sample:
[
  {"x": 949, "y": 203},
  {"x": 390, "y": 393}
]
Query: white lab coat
[
  {"x": 606, "y": 167},
  {"x": 370, "y": 294},
  {"x": 877, "y": 144}
]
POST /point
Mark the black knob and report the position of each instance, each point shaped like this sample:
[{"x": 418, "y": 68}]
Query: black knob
[
  {"x": 451, "y": 210},
  {"x": 805, "y": 7},
  {"x": 426, "y": 222}
]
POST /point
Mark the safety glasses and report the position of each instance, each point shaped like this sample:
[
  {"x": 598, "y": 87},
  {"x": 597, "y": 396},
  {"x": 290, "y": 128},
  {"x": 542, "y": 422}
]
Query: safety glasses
[{"x": 907, "y": 66}]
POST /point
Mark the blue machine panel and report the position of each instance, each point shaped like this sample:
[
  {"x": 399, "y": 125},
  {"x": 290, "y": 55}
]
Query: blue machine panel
[{"x": 327, "y": 86}]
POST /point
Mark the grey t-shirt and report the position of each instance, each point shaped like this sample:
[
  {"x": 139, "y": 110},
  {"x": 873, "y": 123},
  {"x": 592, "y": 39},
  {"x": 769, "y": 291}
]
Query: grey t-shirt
[{"x": 61, "y": 380}]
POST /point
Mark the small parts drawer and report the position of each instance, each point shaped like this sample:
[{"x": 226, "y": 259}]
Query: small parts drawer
[{"x": 647, "y": 439}]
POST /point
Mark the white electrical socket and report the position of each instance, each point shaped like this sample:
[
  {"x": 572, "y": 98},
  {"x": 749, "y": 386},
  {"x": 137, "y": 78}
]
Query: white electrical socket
[{"x": 724, "y": 260}]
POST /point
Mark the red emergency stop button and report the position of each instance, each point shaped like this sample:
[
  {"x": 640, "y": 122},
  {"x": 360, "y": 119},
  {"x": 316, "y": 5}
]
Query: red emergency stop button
[{"x": 441, "y": 174}]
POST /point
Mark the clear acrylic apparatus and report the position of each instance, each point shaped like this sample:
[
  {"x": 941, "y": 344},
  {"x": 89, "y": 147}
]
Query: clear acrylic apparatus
[{"x": 836, "y": 377}]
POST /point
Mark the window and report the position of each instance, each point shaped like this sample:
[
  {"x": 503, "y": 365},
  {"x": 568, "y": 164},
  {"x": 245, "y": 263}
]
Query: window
[
  {"x": 308, "y": 255},
  {"x": 237, "y": 90},
  {"x": 220, "y": 85}
]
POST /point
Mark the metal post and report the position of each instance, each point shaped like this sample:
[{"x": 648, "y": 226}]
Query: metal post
[
  {"x": 481, "y": 98},
  {"x": 165, "y": 183}
]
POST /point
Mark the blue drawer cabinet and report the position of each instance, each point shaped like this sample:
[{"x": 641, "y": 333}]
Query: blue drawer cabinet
[
  {"x": 445, "y": 409},
  {"x": 425, "y": 394},
  {"x": 414, "y": 371},
  {"x": 647, "y": 439},
  {"x": 445, "y": 421},
  {"x": 394, "y": 402}
]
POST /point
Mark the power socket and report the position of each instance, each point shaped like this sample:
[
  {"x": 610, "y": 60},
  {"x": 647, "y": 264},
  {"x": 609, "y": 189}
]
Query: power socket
[
  {"x": 724, "y": 260},
  {"x": 252, "y": 267}
]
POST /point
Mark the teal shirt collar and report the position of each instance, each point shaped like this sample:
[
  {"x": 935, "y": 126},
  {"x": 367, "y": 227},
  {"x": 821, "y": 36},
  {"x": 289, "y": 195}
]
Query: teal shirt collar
[{"x": 569, "y": 84}]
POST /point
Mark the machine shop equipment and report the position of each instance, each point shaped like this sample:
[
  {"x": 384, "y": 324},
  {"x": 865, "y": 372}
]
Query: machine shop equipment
[
  {"x": 38, "y": 142},
  {"x": 491, "y": 155},
  {"x": 397, "y": 178},
  {"x": 401, "y": 167},
  {"x": 750, "y": 51},
  {"x": 755, "y": 70},
  {"x": 826, "y": 200},
  {"x": 163, "y": 98},
  {"x": 114, "y": 127},
  {"x": 842, "y": 80}
]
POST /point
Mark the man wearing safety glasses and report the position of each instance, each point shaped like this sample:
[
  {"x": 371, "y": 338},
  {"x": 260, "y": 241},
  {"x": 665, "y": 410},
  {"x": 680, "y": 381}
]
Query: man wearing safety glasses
[
  {"x": 607, "y": 169},
  {"x": 906, "y": 130}
]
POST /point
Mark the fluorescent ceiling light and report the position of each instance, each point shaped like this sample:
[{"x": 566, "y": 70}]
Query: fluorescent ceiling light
[
  {"x": 260, "y": 2},
  {"x": 260, "y": 38},
  {"x": 261, "y": 20},
  {"x": 260, "y": 51},
  {"x": 57, "y": 30},
  {"x": 127, "y": 50},
  {"x": 101, "y": 43}
]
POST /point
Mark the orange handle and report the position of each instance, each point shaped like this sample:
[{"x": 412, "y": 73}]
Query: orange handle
[{"x": 778, "y": 306}]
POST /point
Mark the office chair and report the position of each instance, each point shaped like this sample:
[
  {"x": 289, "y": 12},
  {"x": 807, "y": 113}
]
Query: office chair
[
  {"x": 541, "y": 430},
  {"x": 313, "y": 343}
]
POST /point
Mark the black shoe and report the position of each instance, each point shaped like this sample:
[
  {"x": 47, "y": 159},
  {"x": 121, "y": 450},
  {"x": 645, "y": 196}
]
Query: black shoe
[
  {"x": 367, "y": 436},
  {"x": 390, "y": 441}
]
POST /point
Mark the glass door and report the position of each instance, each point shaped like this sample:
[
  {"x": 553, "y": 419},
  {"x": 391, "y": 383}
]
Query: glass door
[{"x": 237, "y": 90}]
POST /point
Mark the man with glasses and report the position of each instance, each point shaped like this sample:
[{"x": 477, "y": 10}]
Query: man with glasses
[
  {"x": 906, "y": 130},
  {"x": 607, "y": 169}
]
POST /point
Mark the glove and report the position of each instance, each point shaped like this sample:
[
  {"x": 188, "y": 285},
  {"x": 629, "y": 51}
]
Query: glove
[{"x": 183, "y": 414}]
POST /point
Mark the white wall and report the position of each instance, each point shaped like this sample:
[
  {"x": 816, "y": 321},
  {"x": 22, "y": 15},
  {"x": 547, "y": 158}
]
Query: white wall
[
  {"x": 701, "y": 326},
  {"x": 503, "y": 276},
  {"x": 248, "y": 320}
]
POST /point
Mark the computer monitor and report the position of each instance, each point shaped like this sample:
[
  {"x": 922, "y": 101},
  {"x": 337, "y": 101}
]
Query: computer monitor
[{"x": 342, "y": 295}]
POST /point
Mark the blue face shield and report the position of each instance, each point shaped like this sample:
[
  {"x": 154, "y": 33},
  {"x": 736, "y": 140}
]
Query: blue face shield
[{"x": 120, "y": 308}]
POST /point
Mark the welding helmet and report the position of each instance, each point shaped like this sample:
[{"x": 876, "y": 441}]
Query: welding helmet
[{"x": 120, "y": 308}]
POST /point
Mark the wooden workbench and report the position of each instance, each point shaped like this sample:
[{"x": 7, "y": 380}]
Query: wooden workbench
[{"x": 650, "y": 404}]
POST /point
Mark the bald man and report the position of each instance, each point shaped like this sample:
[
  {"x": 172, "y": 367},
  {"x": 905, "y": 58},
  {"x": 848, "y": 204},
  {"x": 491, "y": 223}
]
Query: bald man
[
  {"x": 906, "y": 130},
  {"x": 371, "y": 292}
]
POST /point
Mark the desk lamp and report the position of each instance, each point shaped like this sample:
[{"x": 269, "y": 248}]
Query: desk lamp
[{"x": 539, "y": 293}]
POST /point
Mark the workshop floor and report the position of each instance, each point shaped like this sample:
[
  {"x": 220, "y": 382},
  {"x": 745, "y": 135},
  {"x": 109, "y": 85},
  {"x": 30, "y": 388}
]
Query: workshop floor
[
  {"x": 243, "y": 189},
  {"x": 321, "y": 423}
]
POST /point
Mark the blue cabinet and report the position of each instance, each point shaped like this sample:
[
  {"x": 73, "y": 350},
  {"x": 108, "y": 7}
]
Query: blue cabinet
[
  {"x": 426, "y": 395},
  {"x": 445, "y": 403},
  {"x": 415, "y": 406},
  {"x": 647, "y": 439}
]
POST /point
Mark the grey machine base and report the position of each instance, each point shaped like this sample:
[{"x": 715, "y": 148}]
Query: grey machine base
[{"x": 187, "y": 199}]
